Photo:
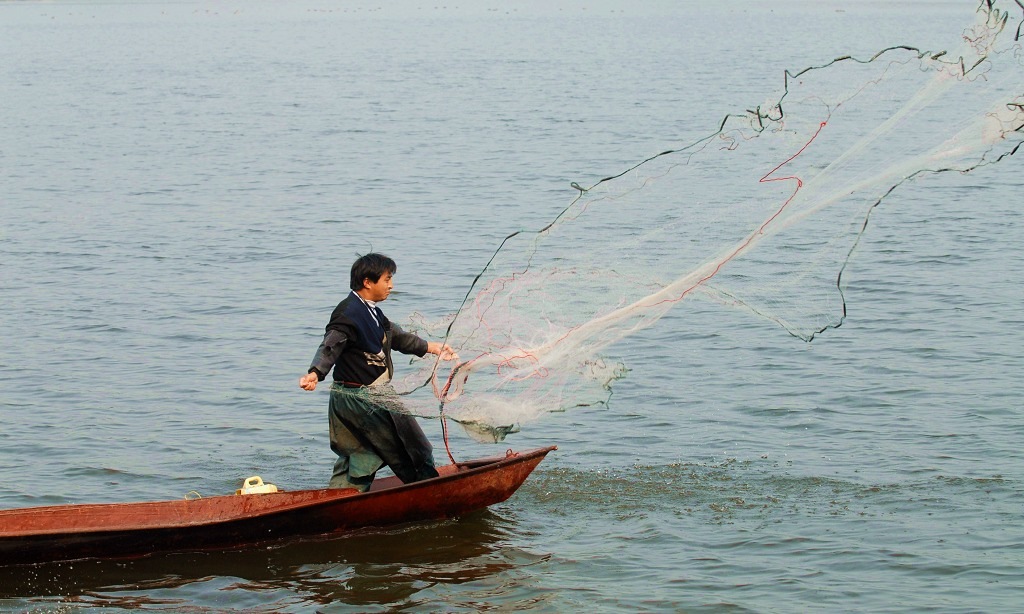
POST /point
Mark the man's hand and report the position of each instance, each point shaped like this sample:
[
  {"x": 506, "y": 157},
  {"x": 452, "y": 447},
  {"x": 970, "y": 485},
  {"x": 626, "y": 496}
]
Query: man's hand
[
  {"x": 308, "y": 381},
  {"x": 442, "y": 349}
]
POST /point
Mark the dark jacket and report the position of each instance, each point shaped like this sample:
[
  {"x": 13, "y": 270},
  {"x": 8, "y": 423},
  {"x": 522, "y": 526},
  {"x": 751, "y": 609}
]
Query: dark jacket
[{"x": 358, "y": 348}]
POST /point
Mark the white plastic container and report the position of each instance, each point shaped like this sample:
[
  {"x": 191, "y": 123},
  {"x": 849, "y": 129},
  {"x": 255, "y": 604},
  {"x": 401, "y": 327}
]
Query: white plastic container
[{"x": 255, "y": 486}]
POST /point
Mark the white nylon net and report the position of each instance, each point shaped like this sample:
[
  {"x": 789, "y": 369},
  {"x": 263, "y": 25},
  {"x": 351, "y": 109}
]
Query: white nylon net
[{"x": 763, "y": 213}]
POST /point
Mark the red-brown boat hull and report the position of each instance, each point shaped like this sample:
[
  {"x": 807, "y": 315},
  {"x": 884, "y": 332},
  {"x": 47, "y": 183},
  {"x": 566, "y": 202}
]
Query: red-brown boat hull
[{"x": 108, "y": 530}]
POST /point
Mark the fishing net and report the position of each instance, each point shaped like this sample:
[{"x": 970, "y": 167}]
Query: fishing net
[{"x": 762, "y": 214}]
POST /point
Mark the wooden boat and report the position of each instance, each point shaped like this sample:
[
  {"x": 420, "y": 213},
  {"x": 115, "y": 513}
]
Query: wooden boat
[{"x": 111, "y": 530}]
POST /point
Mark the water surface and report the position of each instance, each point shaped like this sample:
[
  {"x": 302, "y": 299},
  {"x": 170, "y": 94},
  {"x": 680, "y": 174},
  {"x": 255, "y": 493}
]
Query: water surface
[{"x": 184, "y": 187}]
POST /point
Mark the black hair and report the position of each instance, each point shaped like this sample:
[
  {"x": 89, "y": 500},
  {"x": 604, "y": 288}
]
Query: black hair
[{"x": 370, "y": 266}]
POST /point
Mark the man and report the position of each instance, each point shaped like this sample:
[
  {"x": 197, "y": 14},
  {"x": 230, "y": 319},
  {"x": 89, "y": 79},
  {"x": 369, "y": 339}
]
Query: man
[{"x": 357, "y": 345}]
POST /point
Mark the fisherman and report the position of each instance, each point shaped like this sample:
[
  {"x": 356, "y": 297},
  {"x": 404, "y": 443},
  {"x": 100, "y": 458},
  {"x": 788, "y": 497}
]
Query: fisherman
[{"x": 357, "y": 345}]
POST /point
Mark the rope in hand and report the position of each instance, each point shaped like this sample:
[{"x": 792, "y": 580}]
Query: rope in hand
[{"x": 444, "y": 421}]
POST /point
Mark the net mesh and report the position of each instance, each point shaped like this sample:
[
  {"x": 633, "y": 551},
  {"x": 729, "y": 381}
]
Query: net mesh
[{"x": 762, "y": 214}]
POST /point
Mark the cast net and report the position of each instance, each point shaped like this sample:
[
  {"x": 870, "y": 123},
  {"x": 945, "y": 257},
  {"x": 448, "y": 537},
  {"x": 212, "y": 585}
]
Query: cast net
[{"x": 762, "y": 214}]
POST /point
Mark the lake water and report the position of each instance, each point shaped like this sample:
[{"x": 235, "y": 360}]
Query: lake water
[{"x": 183, "y": 187}]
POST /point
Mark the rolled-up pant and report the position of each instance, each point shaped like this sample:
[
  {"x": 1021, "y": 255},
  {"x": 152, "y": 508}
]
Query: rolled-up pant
[{"x": 366, "y": 436}]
